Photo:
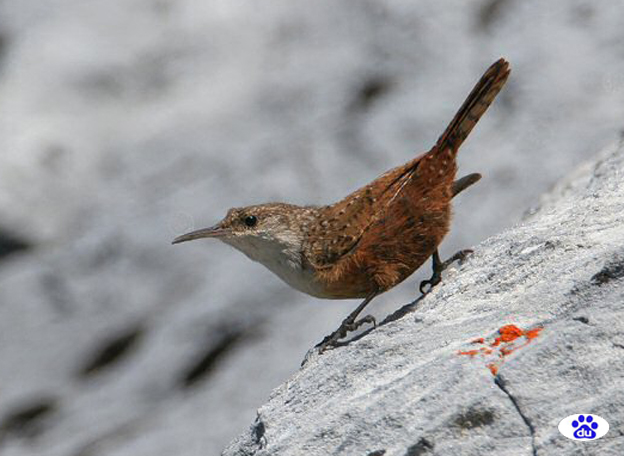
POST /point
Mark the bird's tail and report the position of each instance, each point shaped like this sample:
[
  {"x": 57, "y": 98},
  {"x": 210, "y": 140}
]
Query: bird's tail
[{"x": 475, "y": 105}]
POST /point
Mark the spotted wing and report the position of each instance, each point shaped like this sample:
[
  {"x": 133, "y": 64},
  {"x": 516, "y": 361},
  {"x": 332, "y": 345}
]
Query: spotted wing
[
  {"x": 420, "y": 188},
  {"x": 339, "y": 227}
]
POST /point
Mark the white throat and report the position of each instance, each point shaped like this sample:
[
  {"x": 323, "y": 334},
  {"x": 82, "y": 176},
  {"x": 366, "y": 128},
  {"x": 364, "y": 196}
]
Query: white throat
[{"x": 282, "y": 257}]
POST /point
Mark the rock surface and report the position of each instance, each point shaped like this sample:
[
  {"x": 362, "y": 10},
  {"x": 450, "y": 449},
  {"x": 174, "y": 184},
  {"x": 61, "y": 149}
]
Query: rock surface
[
  {"x": 124, "y": 123},
  {"x": 528, "y": 331}
]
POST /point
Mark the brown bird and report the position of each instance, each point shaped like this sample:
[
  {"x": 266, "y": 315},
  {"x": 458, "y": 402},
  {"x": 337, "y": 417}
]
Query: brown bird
[{"x": 374, "y": 238}]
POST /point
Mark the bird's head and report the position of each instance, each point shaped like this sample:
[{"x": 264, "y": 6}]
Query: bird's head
[{"x": 259, "y": 230}]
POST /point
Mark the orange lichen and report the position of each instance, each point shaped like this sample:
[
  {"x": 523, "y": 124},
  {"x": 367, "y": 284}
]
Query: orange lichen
[
  {"x": 506, "y": 350},
  {"x": 470, "y": 352},
  {"x": 510, "y": 332},
  {"x": 532, "y": 333},
  {"x": 493, "y": 368},
  {"x": 503, "y": 345}
]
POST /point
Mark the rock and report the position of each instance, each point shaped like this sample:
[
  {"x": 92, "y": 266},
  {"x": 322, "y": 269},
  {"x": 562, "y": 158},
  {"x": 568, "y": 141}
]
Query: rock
[
  {"x": 528, "y": 331},
  {"x": 124, "y": 124}
]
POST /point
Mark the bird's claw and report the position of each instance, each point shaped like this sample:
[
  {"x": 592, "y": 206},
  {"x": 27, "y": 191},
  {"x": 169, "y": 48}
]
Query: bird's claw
[
  {"x": 347, "y": 326},
  {"x": 439, "y": 267},
  {"x": 431, "y": 283}
]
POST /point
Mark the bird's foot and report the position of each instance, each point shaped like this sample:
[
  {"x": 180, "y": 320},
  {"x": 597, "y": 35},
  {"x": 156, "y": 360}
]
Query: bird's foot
[
  {"x": 347, "y": 326},
  {"x": 351, "y": 323},
  {"x": 438, "y": 267}
]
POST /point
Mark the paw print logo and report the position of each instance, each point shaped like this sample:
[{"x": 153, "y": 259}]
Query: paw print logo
[{"x": 585, "y": 427}]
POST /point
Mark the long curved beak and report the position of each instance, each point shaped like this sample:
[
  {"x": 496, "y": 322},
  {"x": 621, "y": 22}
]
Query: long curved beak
[{"x": 213, "y": 232}]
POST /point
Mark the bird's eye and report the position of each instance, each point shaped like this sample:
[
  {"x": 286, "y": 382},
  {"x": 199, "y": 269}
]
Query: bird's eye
[{"x": 251, "y": 220}]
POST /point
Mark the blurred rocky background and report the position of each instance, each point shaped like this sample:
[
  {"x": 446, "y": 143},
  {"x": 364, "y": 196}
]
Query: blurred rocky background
[{"x": 126, "y": 122}]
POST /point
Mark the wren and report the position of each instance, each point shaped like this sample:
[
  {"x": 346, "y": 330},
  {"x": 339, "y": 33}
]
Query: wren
[{"x": 374, "y": 238}]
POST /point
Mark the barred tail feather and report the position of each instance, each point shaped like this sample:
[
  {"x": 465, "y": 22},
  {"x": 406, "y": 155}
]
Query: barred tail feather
[{"x": 476, "y": 104}]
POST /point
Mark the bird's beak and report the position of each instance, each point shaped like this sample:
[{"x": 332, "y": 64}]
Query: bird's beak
[{"x": 213, "y": 232}]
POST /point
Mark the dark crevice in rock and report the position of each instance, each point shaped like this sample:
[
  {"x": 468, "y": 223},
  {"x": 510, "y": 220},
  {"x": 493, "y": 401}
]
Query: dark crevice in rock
[
  {"x": 258, "y": 431},
  {"x": 473, "y": 418},
  {"x": 112, "y": 351},
  {"x": 422, "y": 447},
  {"x": 207, "y": 361},
  {"x": 256, "y": 440},
  {"x": 612, "y": 271},
  {"x": 11, "y": 243},
  {"x": 377, "y": 453},
  {"x": 582, "y": 319},
  {"x": 500, "y": 382},
  {"x": 27, "y": 421}
]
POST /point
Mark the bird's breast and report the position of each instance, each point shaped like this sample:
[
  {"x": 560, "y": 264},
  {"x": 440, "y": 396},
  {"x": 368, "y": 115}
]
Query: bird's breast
[
  {"x": 285, "y": 261},
  {"x": 297, "y": 276}
]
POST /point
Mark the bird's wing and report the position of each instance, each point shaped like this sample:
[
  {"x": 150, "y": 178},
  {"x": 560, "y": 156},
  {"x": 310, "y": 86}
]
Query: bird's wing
[
  {"x": 340, "y": 227},
  {"x": 404, "y": 191}
]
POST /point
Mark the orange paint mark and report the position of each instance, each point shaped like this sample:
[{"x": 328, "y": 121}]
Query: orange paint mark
[{"x": 503, "y": 345}]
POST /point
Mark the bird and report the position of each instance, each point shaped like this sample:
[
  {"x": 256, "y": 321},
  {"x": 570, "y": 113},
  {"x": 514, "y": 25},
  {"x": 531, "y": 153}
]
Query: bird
[{"x": 374, "y": 238}]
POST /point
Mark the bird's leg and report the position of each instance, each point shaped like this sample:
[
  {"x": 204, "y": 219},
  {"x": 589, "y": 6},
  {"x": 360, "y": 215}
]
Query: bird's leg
[
  {"x": 439, "y": 266},
  {"x": 348, "y": 324}
]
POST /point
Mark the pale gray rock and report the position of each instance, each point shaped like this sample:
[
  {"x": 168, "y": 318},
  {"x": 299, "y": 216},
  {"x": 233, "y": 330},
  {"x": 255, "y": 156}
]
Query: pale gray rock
[
  {"x": 406, "y": 389},
  {"x": 125, "y": 123}
]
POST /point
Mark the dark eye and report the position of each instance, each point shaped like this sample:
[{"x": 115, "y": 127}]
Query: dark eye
[{"x": 251, "y": 220}]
